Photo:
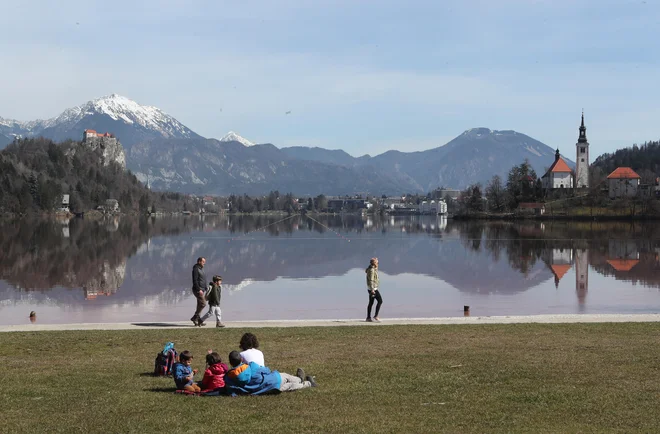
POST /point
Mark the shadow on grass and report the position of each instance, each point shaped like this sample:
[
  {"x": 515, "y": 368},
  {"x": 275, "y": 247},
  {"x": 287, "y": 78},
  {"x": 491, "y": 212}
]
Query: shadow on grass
[
  {"x": 151, "y": 374},
  {"x": 156, "y": 324}
]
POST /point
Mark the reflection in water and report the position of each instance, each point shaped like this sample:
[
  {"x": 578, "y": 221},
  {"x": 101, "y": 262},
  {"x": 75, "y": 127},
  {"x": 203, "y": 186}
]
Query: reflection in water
[{"x": 432, "y": 266}]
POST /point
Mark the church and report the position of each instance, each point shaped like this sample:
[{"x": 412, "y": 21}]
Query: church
[{"x": 560, "y": 175}]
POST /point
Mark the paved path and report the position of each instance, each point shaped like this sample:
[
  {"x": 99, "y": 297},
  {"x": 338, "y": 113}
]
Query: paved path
[{"x": 549, "y": 319}]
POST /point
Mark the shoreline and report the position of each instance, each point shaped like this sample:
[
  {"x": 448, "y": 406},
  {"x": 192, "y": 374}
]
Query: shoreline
[{"x": 510, "y": 319}]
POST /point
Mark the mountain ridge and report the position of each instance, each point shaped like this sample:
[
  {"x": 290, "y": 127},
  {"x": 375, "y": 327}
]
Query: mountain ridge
[{"x": 188, "y": 162}]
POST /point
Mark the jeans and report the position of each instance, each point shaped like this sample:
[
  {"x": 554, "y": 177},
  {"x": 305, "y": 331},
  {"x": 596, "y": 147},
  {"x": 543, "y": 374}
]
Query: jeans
[
  {"x": 376, "y": 296},
  {"x": 213, "y": 310}
]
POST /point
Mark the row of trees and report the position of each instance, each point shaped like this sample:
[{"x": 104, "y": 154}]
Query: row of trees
[{"x": 522, "y": 185}]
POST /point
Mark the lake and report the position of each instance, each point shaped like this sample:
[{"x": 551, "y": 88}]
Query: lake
[{"x": 139, "y": 270}]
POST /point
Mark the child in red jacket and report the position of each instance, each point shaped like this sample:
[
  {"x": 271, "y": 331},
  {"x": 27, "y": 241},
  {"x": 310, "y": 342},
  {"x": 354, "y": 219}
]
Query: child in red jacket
[{"x": 214, "y": 376}]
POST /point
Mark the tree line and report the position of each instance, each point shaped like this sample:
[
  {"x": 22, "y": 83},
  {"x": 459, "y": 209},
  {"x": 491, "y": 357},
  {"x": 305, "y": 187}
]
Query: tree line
[{"x": 36, "y": 172}]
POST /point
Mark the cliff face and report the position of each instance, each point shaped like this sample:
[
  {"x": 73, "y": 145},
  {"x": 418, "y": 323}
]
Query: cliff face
[{"x": 110, "y": 147}]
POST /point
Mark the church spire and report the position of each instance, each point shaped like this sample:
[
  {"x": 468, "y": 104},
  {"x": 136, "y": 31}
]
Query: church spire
[{"x": 583, "y": 131}]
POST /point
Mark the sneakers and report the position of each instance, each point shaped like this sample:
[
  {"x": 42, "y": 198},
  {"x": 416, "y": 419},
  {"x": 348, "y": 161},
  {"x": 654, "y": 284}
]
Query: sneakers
[
  {"x": 300, "y": 373},
  {"x": 200, "y": 323},
  {"x": 194, "y": 320},
  {"x": 369, "y": 319},
  {"x": 219, "y": 324},
  {"x": 312, "y": 380},
  {"x": 376, "y": 319}
]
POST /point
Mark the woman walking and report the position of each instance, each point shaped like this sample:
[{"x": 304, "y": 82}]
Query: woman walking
[{"x": 372, "y": 287}]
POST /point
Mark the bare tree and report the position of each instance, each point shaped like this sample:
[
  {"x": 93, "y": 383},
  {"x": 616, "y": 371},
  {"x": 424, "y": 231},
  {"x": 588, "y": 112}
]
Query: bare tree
[{"x": 496, "y": 195}]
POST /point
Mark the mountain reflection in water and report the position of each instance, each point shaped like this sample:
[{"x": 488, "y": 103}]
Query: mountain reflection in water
[{"x": 129, "y": 269}]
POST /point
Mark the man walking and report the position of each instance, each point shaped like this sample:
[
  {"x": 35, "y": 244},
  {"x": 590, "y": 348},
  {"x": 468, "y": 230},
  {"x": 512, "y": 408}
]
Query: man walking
[{"x": 198, "y": 289}]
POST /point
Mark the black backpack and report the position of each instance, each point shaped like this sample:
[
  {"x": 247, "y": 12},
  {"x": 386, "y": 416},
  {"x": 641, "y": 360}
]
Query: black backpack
[{"x": 165, "y": 360}]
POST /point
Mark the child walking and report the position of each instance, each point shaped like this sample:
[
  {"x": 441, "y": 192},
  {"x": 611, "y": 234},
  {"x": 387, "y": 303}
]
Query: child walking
[{"x": 213, "y": 297}]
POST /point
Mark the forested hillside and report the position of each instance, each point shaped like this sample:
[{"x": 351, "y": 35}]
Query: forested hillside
[
  {"x": 36, "y": 172},
  {"x": 644, "y": 159}
]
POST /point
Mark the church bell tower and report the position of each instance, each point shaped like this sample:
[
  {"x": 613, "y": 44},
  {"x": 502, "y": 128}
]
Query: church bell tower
[{"x": 582, "y": 158}]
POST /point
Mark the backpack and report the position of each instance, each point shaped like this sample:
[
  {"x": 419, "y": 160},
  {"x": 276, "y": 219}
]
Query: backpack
[{"x": 165, "y": 360}]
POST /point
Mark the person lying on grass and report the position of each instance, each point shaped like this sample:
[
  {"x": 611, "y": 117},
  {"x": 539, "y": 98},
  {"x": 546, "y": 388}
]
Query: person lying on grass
[
  {"x": 252, "y": 379},
  {"x": 214, "y": 376},
  {"x": 183, "y": 374}
]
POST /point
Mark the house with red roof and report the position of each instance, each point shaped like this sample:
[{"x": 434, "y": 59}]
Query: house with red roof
[
  {"x": 559, "y": 175},
  {"x": 623, "y": 182}
]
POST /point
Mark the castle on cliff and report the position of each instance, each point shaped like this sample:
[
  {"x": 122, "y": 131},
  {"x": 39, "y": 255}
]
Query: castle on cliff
[
  {"x": 109, "y": 145},
  {"x": 92, "y": 135}
]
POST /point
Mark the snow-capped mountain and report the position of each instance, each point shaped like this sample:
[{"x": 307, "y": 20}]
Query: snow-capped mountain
[
  {"x": 233, "y": 137},
  {"x": 129, "y": 121}
]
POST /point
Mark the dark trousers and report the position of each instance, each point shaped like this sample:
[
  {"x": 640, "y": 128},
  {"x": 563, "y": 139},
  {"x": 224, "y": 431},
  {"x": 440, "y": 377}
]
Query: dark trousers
[
  {"x": 201, "y": 304},
  {"x": 376, "y": 297}
]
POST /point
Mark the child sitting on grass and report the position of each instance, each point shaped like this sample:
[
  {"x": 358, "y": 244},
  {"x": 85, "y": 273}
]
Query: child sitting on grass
[
  {"x": 214, "y": 376},
  {"x": 183, "y": 373}
]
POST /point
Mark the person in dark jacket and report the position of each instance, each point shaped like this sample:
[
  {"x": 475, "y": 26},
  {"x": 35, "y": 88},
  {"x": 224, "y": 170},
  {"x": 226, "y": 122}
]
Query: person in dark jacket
[
  {"x": 213, "y": 297},
  {"x": 199, "y": 289}
]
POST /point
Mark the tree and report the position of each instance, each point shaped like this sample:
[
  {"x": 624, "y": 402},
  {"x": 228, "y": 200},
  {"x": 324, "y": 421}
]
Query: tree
[
  {"x": 496, "y": 195},
  {"x": 321, "y": 202},
  {"x": 471, "y": 199},
  {"x": 520, "y": 184}
]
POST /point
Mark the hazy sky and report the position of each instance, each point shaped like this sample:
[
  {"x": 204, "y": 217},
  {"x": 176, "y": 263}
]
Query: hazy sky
[{"x": 364, "y": 76}]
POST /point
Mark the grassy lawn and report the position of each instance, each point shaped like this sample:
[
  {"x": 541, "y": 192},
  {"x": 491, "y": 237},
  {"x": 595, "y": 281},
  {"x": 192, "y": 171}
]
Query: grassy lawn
[{"x": 465, "y": 378}]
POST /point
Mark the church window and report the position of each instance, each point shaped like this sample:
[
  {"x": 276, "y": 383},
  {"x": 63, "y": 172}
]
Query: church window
[
  {"x": 582, "y": 149},
  {"x": 582, "y": 160}
]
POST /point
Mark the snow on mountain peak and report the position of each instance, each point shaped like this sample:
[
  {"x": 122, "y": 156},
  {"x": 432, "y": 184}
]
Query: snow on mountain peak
[
  {"x": 233, "y": 137},
  {"x": 477, "y": 131}
]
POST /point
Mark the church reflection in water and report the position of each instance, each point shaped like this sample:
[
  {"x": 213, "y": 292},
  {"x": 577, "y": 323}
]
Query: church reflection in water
[{"x": 77, "y": 262}]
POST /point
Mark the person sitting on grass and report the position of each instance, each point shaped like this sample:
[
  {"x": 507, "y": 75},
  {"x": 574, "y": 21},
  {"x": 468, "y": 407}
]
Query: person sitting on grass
[
  {"x": 251, "y": 353},
  {"x": 252, "y": 379},
  {"x": 183, "y": 374},
  {"x": 214, "y": 375}
]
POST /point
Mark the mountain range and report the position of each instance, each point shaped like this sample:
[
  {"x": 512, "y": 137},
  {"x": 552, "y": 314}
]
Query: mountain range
[{"x": 170, "y": 156}]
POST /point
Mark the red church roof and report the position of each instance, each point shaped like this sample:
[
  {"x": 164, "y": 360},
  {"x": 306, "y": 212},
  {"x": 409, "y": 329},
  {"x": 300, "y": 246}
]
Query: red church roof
[
  {"x": 623, "y": 173},
  {"x": 90, "y": 131},
  {"x": 623, "y": 264},
  {"x": 559, "y": 166},
  {"x": 560, "y": 270}
]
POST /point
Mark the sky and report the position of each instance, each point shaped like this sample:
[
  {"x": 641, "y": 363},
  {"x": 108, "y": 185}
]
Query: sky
[{"x": 359, "y": 75}]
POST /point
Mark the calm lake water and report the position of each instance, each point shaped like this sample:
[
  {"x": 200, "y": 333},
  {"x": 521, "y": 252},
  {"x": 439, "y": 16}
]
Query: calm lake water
[{"x": 130, "y": 270}]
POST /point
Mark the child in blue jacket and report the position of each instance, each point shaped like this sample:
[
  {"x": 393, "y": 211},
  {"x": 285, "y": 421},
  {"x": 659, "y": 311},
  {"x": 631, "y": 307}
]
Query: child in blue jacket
[
  {"x": 252, "y": 379},
  {"x": 183, "y": 374}
]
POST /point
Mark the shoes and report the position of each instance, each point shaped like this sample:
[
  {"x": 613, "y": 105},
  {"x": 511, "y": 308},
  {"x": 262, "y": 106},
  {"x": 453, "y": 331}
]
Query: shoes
[
  {"x": 369, "y": 319},
  {"x": 312, "y": 380},
  {"x": 200, "y": 323},
  {"x": 376, "y": 319},
  {"x": 194, "y": 320},
  {"x": 219, "y": 324},
  {"x": 300, "y": 373}
]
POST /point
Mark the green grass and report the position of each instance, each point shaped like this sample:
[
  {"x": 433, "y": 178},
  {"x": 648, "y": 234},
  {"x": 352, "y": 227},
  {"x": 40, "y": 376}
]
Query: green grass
[{"x": 466, "y": 378}]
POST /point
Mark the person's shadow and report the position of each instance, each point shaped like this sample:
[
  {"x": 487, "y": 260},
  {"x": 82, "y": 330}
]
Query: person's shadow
[{"x": 157, "y": 324}]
